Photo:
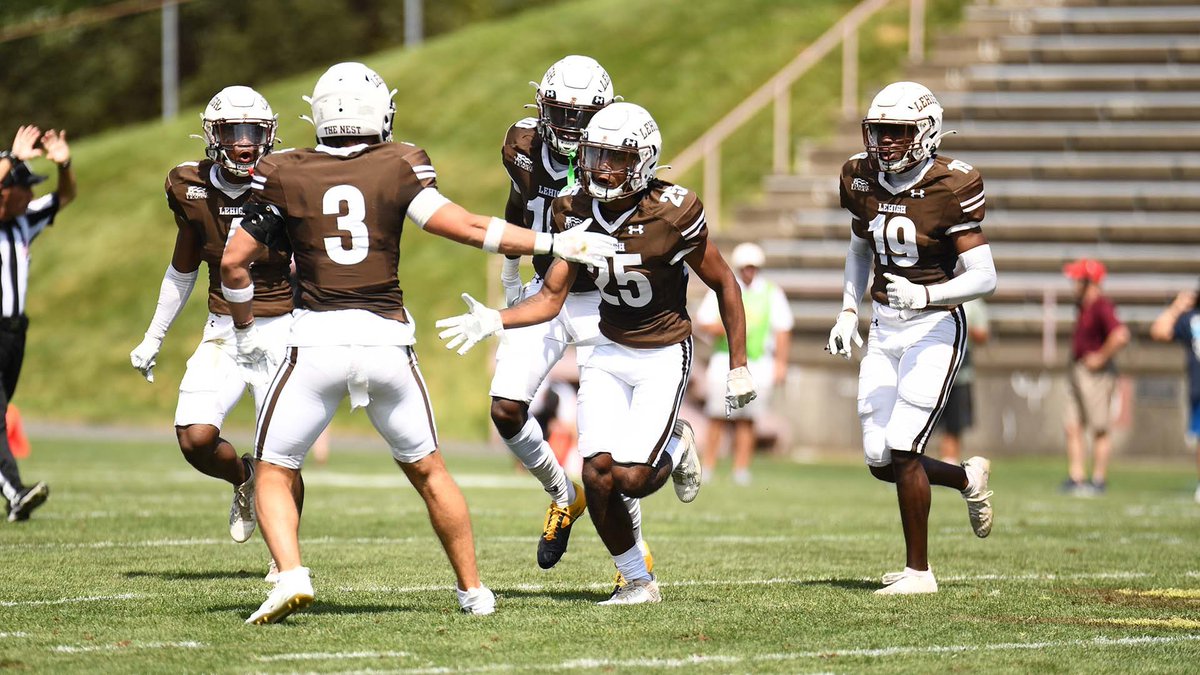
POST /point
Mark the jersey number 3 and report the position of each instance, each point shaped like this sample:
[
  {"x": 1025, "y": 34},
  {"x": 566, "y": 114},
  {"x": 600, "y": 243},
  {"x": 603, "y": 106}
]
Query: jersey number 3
[
  {"x": 895, "y": 241},
  {"x": 351, "y": 222}
]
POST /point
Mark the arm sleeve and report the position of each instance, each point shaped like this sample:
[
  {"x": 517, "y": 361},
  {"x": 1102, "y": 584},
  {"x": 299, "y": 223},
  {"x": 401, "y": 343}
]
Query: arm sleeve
[
  {"x": 422, "y": 167},
  {"x": 692, "y": 226},
  {"x": 977, "y": 280},
  {"x": 858, "y": 270},
  {"x": 172, "y": 296},
  {"x": 969, "y": 200}
]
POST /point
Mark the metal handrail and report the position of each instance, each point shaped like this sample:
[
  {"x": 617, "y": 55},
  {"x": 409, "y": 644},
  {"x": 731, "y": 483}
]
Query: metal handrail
[{"x": 778, "y": 89}]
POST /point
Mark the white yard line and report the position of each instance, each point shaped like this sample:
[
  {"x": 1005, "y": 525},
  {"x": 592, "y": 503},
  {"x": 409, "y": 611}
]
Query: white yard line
[
  {"x": 68, "y": 601},
  {"x": 14, "y": 635},
  {"x": 330, "y": 656},
  {"x": 81, "y": 649},
  {"x": 824, "y": 654}
]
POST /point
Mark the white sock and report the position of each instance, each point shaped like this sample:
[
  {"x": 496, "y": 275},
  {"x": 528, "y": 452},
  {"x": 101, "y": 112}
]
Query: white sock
[
  {"x": 631, "y": 564},
  {"x": 675, "y": 450},
  {"x": 535, "y": 455},
  {"x": 634, "y": 506}
]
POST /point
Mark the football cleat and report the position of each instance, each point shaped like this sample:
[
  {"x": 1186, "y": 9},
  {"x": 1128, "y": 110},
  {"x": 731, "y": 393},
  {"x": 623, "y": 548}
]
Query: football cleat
[
  {"x": 241, "y": 510},
  {"x": 910, "y": 583},
  {"x": 978, "y": 496},
  {"x": 635, "y": 592},
  {"x": 479, "y": 601},
  {"x": 687, "y": 474},
  {"x": 556, "y": 532},
  {"x": 27, "y": 500},
  {"x": 892, "y": 577},
  {"x": 619, "y": 581},
  {"x": 293, "y": 592}
]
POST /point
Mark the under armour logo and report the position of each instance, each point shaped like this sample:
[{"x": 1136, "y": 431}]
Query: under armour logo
[
  {"x": 917, "y": 194},
  {"x": 636, "y": 229}
]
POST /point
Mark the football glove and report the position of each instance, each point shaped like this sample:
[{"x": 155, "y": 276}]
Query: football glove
[
  {"x": 844, "y": 332},
  {"x": 252, "y": 358},
  {"x": 580, "y": 246},
  {"x": 739, "y": 389},
  {"x": 143, "y": 356},
  {"x": 904, "y": 294},
  {"x": 468, "y": 329},
  {"x": 510, "y": 279}
]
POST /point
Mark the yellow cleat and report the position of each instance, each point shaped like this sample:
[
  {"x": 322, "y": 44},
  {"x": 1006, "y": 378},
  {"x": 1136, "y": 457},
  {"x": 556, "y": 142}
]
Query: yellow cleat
[
  {"x": 556, "y": 532},
  {"x": 619, "y": 580}
]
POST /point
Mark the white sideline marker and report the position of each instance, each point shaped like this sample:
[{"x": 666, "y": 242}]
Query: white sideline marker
[
  {"x": 330, "y": 656},
  {"x": 72, "y": 649},
  {"x": 68, "y": 601}
]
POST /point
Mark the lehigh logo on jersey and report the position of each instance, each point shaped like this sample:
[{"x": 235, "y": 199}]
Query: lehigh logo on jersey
[
  {"x": 196, "y": 192},
  {"x": 524, "y": 163},
  {"x": 230, "y": 211},
  {"x": 917, "y": 194},
  {"x": 860, "y": 184}
]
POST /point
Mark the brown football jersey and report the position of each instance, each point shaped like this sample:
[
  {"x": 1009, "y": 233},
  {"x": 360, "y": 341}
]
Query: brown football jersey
[
  {"x": 643, "y": 288},
  {"x": 536, "y": 182},
  {"x": 202, "y": 200},
  {"x": 909, "y": 230},
  {"x": 343, "y": 211}
]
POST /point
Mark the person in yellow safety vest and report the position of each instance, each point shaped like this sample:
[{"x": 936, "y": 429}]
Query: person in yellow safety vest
[{"x": 768, "y": 335}]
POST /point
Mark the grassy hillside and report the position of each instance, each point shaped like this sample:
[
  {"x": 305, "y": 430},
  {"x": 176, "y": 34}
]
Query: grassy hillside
[{"x": 96, "y": 274}]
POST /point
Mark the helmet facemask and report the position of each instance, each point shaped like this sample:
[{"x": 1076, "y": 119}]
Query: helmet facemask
[
  {"x": 895, "y": 145},
  {"x": 610, "y": 172},
  {"x": 562, "y": 123},
  {"x": 238, "y": 144}
]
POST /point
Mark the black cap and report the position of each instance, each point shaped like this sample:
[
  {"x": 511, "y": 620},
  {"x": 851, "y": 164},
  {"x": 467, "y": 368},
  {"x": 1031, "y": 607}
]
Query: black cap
[{"x": 20, "y": 174}]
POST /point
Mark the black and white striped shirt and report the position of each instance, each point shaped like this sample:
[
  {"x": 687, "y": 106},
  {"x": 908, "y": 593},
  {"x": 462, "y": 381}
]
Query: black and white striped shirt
[{"x": 15, "y": 237}]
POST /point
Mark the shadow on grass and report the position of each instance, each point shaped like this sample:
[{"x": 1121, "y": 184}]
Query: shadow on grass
[
  {"x": 320, "y": 607},
  {"x": 207, "y": 575},
  {"x": 544, "y": 594},
  {"x": 848, "y": 584}
]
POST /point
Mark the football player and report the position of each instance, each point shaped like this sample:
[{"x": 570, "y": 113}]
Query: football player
[
  {"x": 340, "y": 207},
  {"x": 915, "y": 216},
  {"x": 207, "y": 198},
  {"x": 631, "y": 385},
  {"x": 538, "y": 155}
]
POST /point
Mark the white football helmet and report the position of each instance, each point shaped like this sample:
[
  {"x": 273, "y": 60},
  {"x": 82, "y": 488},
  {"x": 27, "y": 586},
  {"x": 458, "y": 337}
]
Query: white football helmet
[
  {"x": 910, "y": 117},
  {"x": 350, "y": 99},
  {"x": 239, "y": 128},
  {"x": 570, "y": 93},
  {"x": 619, "y": 151}
]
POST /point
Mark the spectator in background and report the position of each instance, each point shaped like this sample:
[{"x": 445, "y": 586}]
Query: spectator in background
[
  {"x": 1180, "y": 322},
  {"x": 768, "y": 335},
  {"x": 1098, "y": 336},
  {"x": 23, "y": 218},
  {"x": 959, "y": 413}
]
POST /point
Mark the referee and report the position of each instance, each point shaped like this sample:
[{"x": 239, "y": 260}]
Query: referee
[{"x": 23, "y": 218}]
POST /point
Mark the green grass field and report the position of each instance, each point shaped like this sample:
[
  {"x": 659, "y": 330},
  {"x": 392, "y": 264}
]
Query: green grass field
[{"x": 128, "y": 568}]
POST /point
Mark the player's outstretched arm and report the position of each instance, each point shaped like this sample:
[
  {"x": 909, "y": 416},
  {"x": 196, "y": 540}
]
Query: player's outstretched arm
[
  {"x": 434, "y": 213},
  {"x": 712, "y": 269},
  {"x": 173, "y": 294},
  {"x": 978, "y": 279},
  {"x": 464, "y": 331},
  {"x": 238, "y": 288},
  {"x": 845, "y": 333}
]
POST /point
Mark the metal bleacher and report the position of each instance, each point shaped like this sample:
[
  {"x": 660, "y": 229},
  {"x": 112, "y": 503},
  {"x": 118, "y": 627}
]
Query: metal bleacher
[{"x": 1084, "y": 119}]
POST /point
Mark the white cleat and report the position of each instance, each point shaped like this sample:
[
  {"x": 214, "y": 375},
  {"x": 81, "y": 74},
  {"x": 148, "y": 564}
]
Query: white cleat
[
  {"x": 292, "y": 593},
  {"x": 479, "y": 601},
  {"x": 910, "y": 582},
  {"x": 978, "y": 496},
  {"x": 635, "y": 592},
  {"x": 892, "y": 577},
  {"x": 687, "y": 474},
  {"x": 273, "y": 573},
  {"x": 241, "y": 512}
]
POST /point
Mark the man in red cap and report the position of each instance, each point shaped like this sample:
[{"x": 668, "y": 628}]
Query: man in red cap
[{"x": 1098, "y": 336}]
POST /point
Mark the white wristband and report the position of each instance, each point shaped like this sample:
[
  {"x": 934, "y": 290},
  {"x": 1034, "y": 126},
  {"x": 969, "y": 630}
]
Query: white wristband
[
  {"x": 543, "y": 243},
  {"x": 238, "y": 294},
  {"x": 495, "y": 232}
]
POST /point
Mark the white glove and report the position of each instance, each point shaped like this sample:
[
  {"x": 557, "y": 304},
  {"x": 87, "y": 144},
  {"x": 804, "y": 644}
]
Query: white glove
[
  {"x": 468, "y": 329},
  {"x": 904, "y": 294},
  {"x": 739, "y": 389},
  {"x": 252, "y": 358},
  {"x": 580, "y": 246},
  {"x": 510, "y": 279},
  {"x": 143, "y": 356},
  {"x": 844, "y": 332}
]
